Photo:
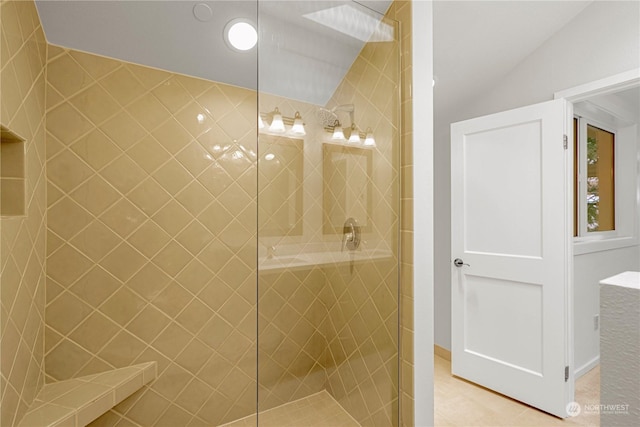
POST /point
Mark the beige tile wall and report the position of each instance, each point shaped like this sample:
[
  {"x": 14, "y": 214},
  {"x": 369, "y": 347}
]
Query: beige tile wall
[
  {"x": 362, "y": 326},
  {"x": 149, "y": 243},
  {"x": 151, "y": 236},
  {"x": 362, "y": 359},
  {"x": 22, "y": 239},
  {"x": 357, "y": 365},
  {"x": 403, "y": 15},
  {"x": 292, "y": 341}
]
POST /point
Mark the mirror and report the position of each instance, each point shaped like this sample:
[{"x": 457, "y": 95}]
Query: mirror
[
  {"x": 346, "y": 176},
  {"x": 280, "y": 183}
]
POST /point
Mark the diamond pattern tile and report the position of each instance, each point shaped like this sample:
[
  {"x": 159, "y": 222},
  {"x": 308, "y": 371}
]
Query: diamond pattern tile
[
  {"x": 123, "y": 173},
  {"x": 163, "y": 253},
  {"x": 96, "y": 240},
  {"x": 58, "y": 71},
  {"x": 67, "y": 171},
  {"x": 95, "y": 195},
  {"x": 172, "y": 95},
  {"x": 96, "y": 149},
  {"x": 142, "y": 184},
  {"x": 148, "y": 154},
  {"x": 149, "y": 196},
  {"x": 122, "y": 85},
  {"x": 95, "y": 103}
]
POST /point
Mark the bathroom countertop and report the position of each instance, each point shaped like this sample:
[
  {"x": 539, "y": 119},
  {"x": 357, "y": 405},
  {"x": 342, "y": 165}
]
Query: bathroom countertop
[
  {"x": 628, "y": 279},
  {"x": 306, "y": 260}
]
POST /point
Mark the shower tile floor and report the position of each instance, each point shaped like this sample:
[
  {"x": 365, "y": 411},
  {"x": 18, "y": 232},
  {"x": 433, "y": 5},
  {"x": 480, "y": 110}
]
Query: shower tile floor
[{"x": 317, "y": 410}]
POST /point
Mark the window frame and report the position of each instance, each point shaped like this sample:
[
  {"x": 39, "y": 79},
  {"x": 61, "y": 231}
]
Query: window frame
[
  {"x": 583, "y": 235},
  {"x": 629, "y": 227}
]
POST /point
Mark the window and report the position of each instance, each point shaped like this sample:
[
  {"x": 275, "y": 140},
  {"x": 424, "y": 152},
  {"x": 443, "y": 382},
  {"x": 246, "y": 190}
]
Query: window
[{"x": 594, "y": 180}]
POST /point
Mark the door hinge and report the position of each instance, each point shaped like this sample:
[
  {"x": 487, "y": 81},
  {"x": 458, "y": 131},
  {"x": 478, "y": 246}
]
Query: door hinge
[
  {"x": 566, "y": 374},
  {"x": 565, "y": 140}
]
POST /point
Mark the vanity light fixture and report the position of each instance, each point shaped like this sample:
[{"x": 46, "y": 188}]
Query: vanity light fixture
[
  {"x": 354, "y": 137},
  {"x": 277, "y": 123},
  {"x": 369, "y": 140},
  {"x": 298, "y": 126},
  {"x": 240, "y": 34},
  {"x": 338, "y": 134}
]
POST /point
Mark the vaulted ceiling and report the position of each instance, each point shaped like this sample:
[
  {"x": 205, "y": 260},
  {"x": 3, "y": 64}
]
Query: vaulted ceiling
[
  {"x": 476, "y": 43},
  {"x": 297, "y": 57}
]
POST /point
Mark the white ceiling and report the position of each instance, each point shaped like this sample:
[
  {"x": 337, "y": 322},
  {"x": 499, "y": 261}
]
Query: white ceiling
[
  {"x": 476, "y": 43},
  {"x": 298, "y": 58}
]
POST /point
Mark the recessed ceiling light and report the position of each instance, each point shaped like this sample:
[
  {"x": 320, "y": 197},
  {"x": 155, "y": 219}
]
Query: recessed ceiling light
[{"x": 240, "y": 34}]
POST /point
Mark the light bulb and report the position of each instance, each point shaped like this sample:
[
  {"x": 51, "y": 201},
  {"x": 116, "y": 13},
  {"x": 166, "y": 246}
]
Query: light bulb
[
  {"x": 241, "y": 35},
  {"x": 354, "y": 138},
  {"x": 298, "y": 126},
  {"x": 369, "y": 141},
  {"x": 277, "y": 125},
  {"x": 338, "y": 134}
]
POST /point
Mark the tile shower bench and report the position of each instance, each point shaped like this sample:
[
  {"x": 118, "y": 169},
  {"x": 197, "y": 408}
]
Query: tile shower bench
[{"x": 79, "y": 401}]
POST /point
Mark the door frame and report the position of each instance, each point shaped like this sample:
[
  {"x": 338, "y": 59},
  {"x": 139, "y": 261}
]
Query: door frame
[{"x": 615, "y": 83}]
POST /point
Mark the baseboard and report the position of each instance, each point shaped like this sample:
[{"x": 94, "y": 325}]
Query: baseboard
[
  {"x": 441, "y": 352},
  {"x": 586, "y": 367},
  {"x": 446, "y": 354}
]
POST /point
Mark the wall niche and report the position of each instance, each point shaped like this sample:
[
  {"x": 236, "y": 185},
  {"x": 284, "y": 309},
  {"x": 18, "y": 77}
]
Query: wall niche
[{"x": 12, "y": 173}]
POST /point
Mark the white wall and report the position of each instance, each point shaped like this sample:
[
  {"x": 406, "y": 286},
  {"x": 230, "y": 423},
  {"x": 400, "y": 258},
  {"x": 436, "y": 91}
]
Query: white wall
[
  {"x": 602, "y": 40},
  {"x": 423, "y": 239},
  {"x": 589, "y": 269}
]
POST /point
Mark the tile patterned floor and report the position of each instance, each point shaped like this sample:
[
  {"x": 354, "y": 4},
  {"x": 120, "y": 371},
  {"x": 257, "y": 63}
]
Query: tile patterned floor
[
  {"x": 460, "y": 403},
  {"x": 317, "y": 410}
]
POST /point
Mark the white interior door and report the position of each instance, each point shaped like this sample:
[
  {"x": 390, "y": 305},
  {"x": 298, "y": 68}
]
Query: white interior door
[{"x": 511, "y": 317}]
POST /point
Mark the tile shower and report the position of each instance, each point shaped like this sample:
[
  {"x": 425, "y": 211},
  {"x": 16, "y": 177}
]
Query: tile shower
[{"x": 147, "y": 238}]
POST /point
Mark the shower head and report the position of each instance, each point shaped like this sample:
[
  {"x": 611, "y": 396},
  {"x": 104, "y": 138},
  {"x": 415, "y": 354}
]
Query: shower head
[
  {"x": 326, "y": 117},
  {"x": 329, "y": 117}
]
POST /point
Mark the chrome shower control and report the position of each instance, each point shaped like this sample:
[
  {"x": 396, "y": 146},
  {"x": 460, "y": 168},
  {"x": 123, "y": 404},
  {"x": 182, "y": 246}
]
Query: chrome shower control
[{"x": 351, "y": 235}]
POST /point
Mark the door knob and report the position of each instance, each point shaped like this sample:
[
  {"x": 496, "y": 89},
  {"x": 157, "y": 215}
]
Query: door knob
[{"x": 459, "y": 263}]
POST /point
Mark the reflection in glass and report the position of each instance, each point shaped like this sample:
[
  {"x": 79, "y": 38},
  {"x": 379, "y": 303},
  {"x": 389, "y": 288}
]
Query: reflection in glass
[
  {"x": 347, "y": 186},
  {"x": 280, "y": 185},
  {"x": 328, "y": 315}
]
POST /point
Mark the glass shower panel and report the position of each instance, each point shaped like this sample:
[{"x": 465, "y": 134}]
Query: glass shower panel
[
  {"x": 152, "y": 208},
  {"x": 328, "y": 214}
]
